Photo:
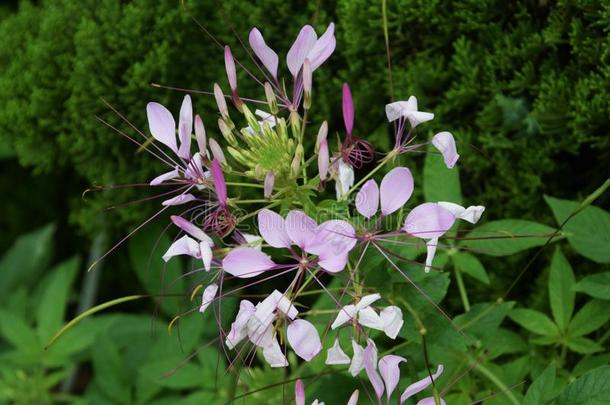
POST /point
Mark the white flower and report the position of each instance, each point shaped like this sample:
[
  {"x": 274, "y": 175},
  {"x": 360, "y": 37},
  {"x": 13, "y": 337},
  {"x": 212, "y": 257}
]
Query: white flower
[{"x": 408, "y": 110}]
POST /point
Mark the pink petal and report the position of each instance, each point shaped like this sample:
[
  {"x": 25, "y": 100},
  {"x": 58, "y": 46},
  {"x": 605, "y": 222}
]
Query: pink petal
[
  {"x": 444, "y": 142},
  {"x": 333, "y": 237},
  {"x": 353, "y": 400},
  {"x": 265, "y": 54},
  {"x": 348, "y": 109},
  {"x": 221, "y": 102},
  {"x": 430, "y": 401},
  {"x": 179, "y": 200},
  {"x": 357, "y": 363},
  {"x": 162, "y": 125},
  {"x": 217, "y": 152},
  {"x": 219, "y": 182},
  {"x": 300, "y": 228},
  {"x": 185, "y": 128},
  {"x": 183, "y": 246},
  {"x": 165, "y": 176},
  {"x": 322, "y": 134},
  {"x": 388, "y": 368},
  {"x": 323, "y": 48},
  {"x": 245, "y": 262},
  {"x": 272, "y": 228},
  {"x": 420, "y": 385},
  {"x": 230, "y": 67},
  {"x": 191, "y": 229},
  {"x": 396, "y": 189},
  {"x": 299, "y": 393},
  {"x": 200, "y": 136},
  {"x": 304, "y": 339},
  {"x": 298, "y": 51},
  {"x": 268, "y": 184},
  {"x": 428, "y": 220},
  {"x": 332, "y": 262},
  {"x": 208, "y": 297},
  {"x": 370, "y": 365},
  {"x": 323, "y": 160},
  {"x": 367, "y": 199},
  {"x": 307, "y": 76}
]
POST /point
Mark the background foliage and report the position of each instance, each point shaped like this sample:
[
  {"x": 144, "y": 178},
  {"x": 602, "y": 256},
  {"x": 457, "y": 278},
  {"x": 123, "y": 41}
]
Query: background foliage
[{"x": 523, "y": 85}]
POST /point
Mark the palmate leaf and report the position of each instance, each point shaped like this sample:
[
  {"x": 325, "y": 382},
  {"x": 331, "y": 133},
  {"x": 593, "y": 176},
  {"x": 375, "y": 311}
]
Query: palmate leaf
[
  {"x": 592, "y": 316},
  {"x": 541, "y": 389},
  {"x": 595, "y": 285},
  {"x": 593, "y": 388},
  {"x": 507, "y": 236},
  {"x": 469, "y": 264},
  {"x": 534, "y": 321},
  {"x": 561, "y": 296},
  {"x": 588, "y": 232}
]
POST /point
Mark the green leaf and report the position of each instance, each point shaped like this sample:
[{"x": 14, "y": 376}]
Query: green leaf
[
  {"x": 583, "y": 345},
  {"x": 483, "y": 317},
  {"x": 541, "y": 389},
  {"x": 110, "y": 371},
  {"x": 595, "y": 285},
  {"x": 16, "y": 331},
  {"x": 588, "y": 232},
  {"x": 440, "y": 183},
  {"x": 592, "y": 316},
  {"x": 561, "y": 296},
  {"x": 52, "y": 307},
  {"x": 26, "y": 259},
  {"x": 593, "y": 388},
  {"x": 506, "y": 237},
  {"x": 588, "y": 363},
  {"x": 534, "y": 321},
  {"x": 469, "y": 264},
  {"x": 155, "y": 275}
]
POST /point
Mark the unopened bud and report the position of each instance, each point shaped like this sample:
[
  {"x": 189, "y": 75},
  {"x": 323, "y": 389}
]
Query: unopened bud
[
  {"x": 295, "y": 166},
  {"x": 220, "y": 101},
  {"x": 268, "y": 185},
  {"x": 271, "y": 99},
  {"x": 251, "y": 119},
  {"x": 200, "y": 136},
  {"x": 323, "y": 160},
  {"x": 217, "y": 152},
  {"x": 322, "y": 134},
  {"x": 295, "y": 124},
  {"x": 230, "y": 67},
  {"x": 226, "y": 132}
]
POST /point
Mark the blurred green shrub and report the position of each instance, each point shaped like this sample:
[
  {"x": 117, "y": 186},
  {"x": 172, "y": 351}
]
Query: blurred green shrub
[{"x": 519, "y": 83}]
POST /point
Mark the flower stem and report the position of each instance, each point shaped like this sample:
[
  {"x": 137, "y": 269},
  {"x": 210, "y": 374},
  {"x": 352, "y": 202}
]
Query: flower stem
[{"x": 462, "y": 288}]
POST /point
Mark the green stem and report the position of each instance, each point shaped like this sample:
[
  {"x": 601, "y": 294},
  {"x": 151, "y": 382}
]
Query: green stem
[
  {"x": 496, "y": 381},
  {"x": 90, "y": 312},
  {"x": 369, "y": 174},
  {"x": 230, "y": 183},
  {"x": 462, "y": 288}
]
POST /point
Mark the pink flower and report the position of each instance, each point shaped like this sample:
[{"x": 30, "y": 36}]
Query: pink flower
[{"x": 396, "y": 189}]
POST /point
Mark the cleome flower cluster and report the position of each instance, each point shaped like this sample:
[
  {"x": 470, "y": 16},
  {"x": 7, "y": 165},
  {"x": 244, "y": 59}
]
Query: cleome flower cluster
[{"x": 283, "y": 168}]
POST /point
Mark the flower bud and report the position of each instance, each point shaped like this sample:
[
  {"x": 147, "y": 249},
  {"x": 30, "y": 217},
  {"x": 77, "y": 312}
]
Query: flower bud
[
  {"x": 295, "y": 166},
  {"x": 348, "y": 110},
  {"x": 268, "y": 185},
  {"x": 220, "y": 101},
  {"x": 322, "y": 133},
  {"x": 299, "y": 393},
  {"x": 323, "y": 160},
  {"x": 271, "y": 99},
  {"x": 251, "y": 119},
  {"x": 217, "y": 152},
  {"x": 230, "y": 67},
  {"x": 226, "y": 132},
  {"x": 200, "y": 136}
]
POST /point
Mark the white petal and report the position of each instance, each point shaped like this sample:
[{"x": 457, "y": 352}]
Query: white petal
[
  {"x": 431, "y": 251},
  {"x": 418, "y": 117},
  {"x": 208, "y": 296},
  {"x": 344, "y": 315},
  {"x": 473, "y": 213},
  {"x": 396, "y": 110},
  {"x": 179, "y": 200},
  {"x": 369, "y": 318},
  {"x": 165, "y": 176},
  {"x": 183, "y": 246},
  {"x": 357, "y": 363},
  {"x": 239, "y": 327},
  {"x": 206, "y": 255},
  {"x": 345, "y": 179},
  {"x": 274, "y": 356},
  {"x": 391, "y": 317},
  {"x": 336, "y": 355},
  {"x": 367, "y": 300},
  {"x": 304, "y": 339}
]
